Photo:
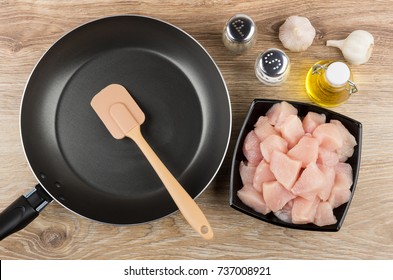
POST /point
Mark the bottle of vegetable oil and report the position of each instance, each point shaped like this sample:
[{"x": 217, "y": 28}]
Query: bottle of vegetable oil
[{"x": 329, "y": 83}]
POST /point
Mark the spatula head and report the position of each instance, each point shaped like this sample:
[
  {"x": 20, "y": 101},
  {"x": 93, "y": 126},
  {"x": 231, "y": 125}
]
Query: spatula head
[{"x": 117, "y": 110}]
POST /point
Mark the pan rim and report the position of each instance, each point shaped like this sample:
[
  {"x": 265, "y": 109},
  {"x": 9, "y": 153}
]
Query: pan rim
[{"x": 39, "y": 180}]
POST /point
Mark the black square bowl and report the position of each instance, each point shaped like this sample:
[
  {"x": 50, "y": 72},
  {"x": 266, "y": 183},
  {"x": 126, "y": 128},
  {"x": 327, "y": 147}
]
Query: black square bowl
[{"x": 258, "y": 108}]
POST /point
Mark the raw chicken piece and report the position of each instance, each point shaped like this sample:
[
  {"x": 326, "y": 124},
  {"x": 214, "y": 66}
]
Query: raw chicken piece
[
  {"x": 275, "y": 195},
  {"x": 343, "y": 180},
  {"x": 247, "y": 172},
  {"x": 251, "y": 149},
  {"x": 339, "y": 196},
  {"x": 310, "y": 183},
  {"x": 303, "y": 210},
  {"x": 305, "y": 151},
  {"x": 349, "y": 142},
  {"x": 279, "y": 111},
  {"x": 253, "y": 199},
  {"x": 324, "y": 215},
  {"x": 329, "y": 136},
  {"x": 262, "y": 175},
  {"x": 291, "y": 129},
  {"x": 344, "y": 175},
  {"x": 312, "y": 120},
  {"x": 272, "y": 143},
  {"x": 326, "y": 157},
  {"x": 329, "y": 176},
  {"x": 263, "y": 128},
  {"x": 285, "y": 214},
  {"x": 285, "y": 169}
]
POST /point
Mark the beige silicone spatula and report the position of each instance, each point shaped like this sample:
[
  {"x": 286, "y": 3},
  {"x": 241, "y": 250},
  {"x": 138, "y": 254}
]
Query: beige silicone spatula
[{"x": 123, "y": 118}]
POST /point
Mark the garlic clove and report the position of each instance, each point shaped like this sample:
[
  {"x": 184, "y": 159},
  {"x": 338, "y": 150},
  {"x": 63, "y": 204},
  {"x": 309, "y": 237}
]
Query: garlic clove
[
  {"x": 356, "y": 48},
  {"x": 296, "y": 33}
]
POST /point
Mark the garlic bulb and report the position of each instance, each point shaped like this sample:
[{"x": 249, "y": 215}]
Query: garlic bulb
[
  {"x": 296, "y": 33},
  {"x": 356, "y": 48}
]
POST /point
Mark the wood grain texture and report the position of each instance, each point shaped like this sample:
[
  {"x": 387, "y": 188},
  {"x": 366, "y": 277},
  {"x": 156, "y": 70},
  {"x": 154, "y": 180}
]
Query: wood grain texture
[{"x": 27, "y": 30}]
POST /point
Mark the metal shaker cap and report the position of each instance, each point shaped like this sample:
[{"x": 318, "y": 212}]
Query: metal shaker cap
[
  {"x": 272, "y": 67},
  {"x": 239, "y": 33}
]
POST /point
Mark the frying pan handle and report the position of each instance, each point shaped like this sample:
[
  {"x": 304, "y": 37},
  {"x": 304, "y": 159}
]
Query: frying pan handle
[{"x": 23, "y": 211}]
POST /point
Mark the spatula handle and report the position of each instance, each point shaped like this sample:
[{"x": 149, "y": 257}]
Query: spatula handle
[{"x": 187, "y": 206}]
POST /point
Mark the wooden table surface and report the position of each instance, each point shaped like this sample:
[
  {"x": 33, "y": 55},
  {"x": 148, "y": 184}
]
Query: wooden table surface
[{"x": 29, "y": 28}]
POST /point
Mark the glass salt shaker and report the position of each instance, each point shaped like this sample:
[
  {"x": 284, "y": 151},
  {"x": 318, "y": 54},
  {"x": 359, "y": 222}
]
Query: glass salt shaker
[
  {"x": 272, "y": 67},
  {"x": 240, "y": 33}
]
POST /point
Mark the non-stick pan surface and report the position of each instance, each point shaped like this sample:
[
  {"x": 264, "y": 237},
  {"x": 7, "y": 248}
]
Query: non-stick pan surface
[{"x": 175, "y": 82}]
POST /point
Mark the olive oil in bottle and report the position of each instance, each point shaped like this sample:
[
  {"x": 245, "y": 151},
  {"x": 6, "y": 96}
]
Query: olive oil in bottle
[{"x": 329, "y": 83}]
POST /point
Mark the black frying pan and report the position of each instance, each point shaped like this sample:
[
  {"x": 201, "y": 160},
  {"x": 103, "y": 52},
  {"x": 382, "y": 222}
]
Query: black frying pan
[{"x": 73, "y": 156}]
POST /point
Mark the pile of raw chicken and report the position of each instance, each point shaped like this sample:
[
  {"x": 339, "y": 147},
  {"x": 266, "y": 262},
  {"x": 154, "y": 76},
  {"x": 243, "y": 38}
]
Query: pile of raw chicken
[{"x": 295, "y": 167}]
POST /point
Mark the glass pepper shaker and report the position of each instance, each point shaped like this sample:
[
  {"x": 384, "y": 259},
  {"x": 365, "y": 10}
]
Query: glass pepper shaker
[
  {"x": 240, "y": 33},
  {"x": 330, "y": 83}
]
